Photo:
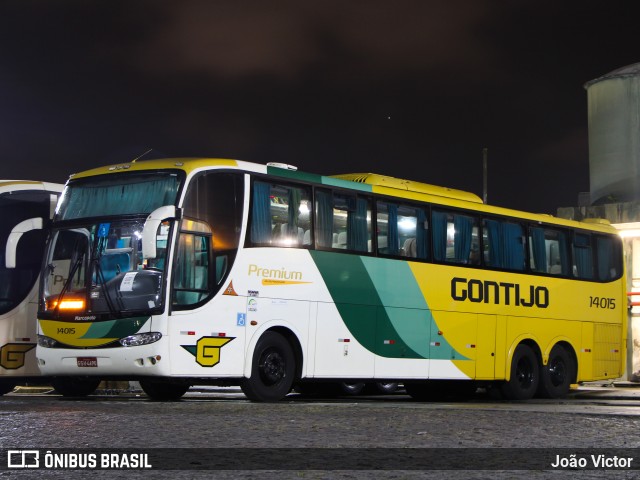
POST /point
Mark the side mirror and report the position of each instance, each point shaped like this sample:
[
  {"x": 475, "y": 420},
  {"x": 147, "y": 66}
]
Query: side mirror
[
  {"x": 14, "y": 237},
  {"x": 150, "y": 228}
]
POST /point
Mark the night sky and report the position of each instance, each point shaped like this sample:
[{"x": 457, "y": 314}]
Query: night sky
[{"x": 412, "y": 89}]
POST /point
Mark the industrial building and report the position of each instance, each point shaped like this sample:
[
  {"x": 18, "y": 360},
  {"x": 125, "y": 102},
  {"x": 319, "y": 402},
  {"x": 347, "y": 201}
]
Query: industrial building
[{"x": 614, "y": 177}]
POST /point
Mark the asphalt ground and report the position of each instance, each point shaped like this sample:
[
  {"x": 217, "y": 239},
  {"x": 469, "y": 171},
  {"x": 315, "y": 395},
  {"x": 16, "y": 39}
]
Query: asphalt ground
[{"x": 609, "y": 390}]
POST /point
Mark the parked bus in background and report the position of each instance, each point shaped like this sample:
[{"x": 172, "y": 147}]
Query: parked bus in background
[
  {"x": 179, "y": 272},
  {"x": 26, "y": 208}
]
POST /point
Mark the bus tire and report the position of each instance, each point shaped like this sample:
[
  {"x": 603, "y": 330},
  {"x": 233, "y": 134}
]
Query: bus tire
[
  {"x": 381, "y": 388},
  {"x": 272, "y": 369},
  {"x": 347, "y": 388},
  {"x": 7, "y": 386},
  {"x": 163, "y": 390},
  {"x": 525, "y": 375},
  {"x": 75, "y": 386},
  {"x": 387, "y": 387},
  {"x": 558, "y": 374}
]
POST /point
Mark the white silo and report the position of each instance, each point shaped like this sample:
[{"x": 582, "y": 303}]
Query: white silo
[{"x": 614, "y": 136}]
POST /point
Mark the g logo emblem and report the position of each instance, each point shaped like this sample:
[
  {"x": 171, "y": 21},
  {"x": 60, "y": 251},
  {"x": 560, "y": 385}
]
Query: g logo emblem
[{"x": 12, "y": 355}]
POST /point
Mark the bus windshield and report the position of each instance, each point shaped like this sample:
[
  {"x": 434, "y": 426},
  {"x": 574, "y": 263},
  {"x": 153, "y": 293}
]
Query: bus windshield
[
  {"x": 95, "y": 264},
  {"x": 15, "y": 207},
  {"x": 119, "y": 194},
  {"x": 98, "y": 269}
]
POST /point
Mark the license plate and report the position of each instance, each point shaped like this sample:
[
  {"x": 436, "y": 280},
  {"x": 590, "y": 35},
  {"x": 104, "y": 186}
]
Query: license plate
[{"x": 87, "y": 361}]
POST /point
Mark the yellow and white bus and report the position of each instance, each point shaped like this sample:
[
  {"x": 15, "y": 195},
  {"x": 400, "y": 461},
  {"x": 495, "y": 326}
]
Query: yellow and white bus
[
  {"x": 26, "y": 207},
  {"x": 180, "y": 272}
]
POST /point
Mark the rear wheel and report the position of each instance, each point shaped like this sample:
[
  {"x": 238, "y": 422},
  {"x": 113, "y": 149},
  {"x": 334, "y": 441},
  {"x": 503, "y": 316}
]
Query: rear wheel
[
  {"x": 351, "y": 388},
  {"x": 386, "y": 387},
  {"x": 75, "y": 386},
  {"x": 557, "y": 375},
  {"x": 525, "y": 375},
  {"x": 272, "y": 371},
  {"x": 163, "y": 390}
]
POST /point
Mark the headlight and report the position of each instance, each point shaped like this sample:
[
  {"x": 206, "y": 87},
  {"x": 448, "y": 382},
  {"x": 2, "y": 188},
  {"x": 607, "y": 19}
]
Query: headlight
[
  {"x": 46, "y": 342},
  {"x": 140, "y": 339}
]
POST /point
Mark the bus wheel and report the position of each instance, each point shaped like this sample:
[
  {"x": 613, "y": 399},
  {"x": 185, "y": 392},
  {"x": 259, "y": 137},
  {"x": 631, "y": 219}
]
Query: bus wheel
[
  {"x": 163, "y": 390},
  {"x": 557, "y": 375},
  {"x": 75, "y": 386},
  {"x": 385, "y": 387},
  {"x": 351, "y": 388},
  {"x": 380, "y": 388},
  {"x": 272, "y": 369},
  {"x": 525, "y": 375},
  {"x": 7, "y": 386}
]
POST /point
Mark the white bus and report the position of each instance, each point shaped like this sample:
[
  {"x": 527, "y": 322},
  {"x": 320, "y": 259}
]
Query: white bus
[
  {"x": 180, "y": 272},
  {"x": 26, "y": 207}
]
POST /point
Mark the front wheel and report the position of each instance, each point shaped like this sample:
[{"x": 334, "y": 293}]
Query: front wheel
[
  {"x": 272, "y": 370},
  {"x": 557, "y": 375},
  {"x": 525, "y": 375},
  {"x": 75, "y": 386},
  {"x": 163, "y": 390}
]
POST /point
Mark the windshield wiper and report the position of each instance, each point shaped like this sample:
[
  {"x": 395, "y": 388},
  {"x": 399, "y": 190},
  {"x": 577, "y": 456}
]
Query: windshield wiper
[{"x": 105, "y": 290}]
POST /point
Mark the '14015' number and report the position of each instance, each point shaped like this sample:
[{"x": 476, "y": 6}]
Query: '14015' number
[{"x": 603, "y": 302}]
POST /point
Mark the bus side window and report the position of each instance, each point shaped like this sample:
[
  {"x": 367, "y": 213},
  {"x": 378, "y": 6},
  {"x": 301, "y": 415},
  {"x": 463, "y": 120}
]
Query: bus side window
[
  {"x": 191, "y": 277},
  {"x": 582, "y": 256},
  {"x": 609, "y": 253},
  {"x": 343, "y": 221},
  {"x": 504, "y": 245},
  {"x": 402, "y": 230},
  {"x": 548, "y": 250},
  {"x": 453, "y": 237},
  {"x": 280, "y": 215}
]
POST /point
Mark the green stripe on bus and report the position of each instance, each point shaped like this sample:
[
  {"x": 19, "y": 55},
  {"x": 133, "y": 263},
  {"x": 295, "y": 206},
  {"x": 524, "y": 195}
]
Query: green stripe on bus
[
  {"x": 382, "y": 306},
  {"x": 314, "y": 178},
  {"x": 120, "y": 328},
  {"x": 359, "y": 304}
]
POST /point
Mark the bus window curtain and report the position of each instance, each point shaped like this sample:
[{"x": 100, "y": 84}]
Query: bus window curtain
[
  {"x": 422, "y": 239},
  {"x": 120, "y": 199},
  {"x": 357, "y": 224},
  {"x": 294, "y": 212},
  {"x": 495, "y": 243},
  {"x": 606, "y": 251},
  {"x": 439, "y": 228},
  {"x": 462, "y": 238},
  {"x": 582, "y": 256},
  {"x": 393, "y": 241},
  {"x": 261, "y": 213},
  {"x": 539, "y": 249},
  {"x": 324, "y": 218},
  {"x": 513, "y": 246},
  {"x": 564, "y": 257},
  {"x": 584, "y": 265}
]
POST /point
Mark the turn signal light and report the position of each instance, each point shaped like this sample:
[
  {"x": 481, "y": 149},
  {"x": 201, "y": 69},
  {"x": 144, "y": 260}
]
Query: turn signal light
[{"x": 67, "y": 304}]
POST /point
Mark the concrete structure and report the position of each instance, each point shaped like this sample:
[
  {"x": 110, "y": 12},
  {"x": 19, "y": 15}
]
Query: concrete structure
[{"x": 614, "y": 174}]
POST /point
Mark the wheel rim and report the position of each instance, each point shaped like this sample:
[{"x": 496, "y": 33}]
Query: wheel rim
[
  {"x": 272, "y": 366},
  {"x": 557, "y": 372},
  {"x": 524, "y": 373}
]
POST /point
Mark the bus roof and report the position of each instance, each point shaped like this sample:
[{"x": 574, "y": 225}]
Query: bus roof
[
  {"x": 409, "y": 185},
  {"x": 15, "y": 185},
  {"x": 367, "y": 182}
]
